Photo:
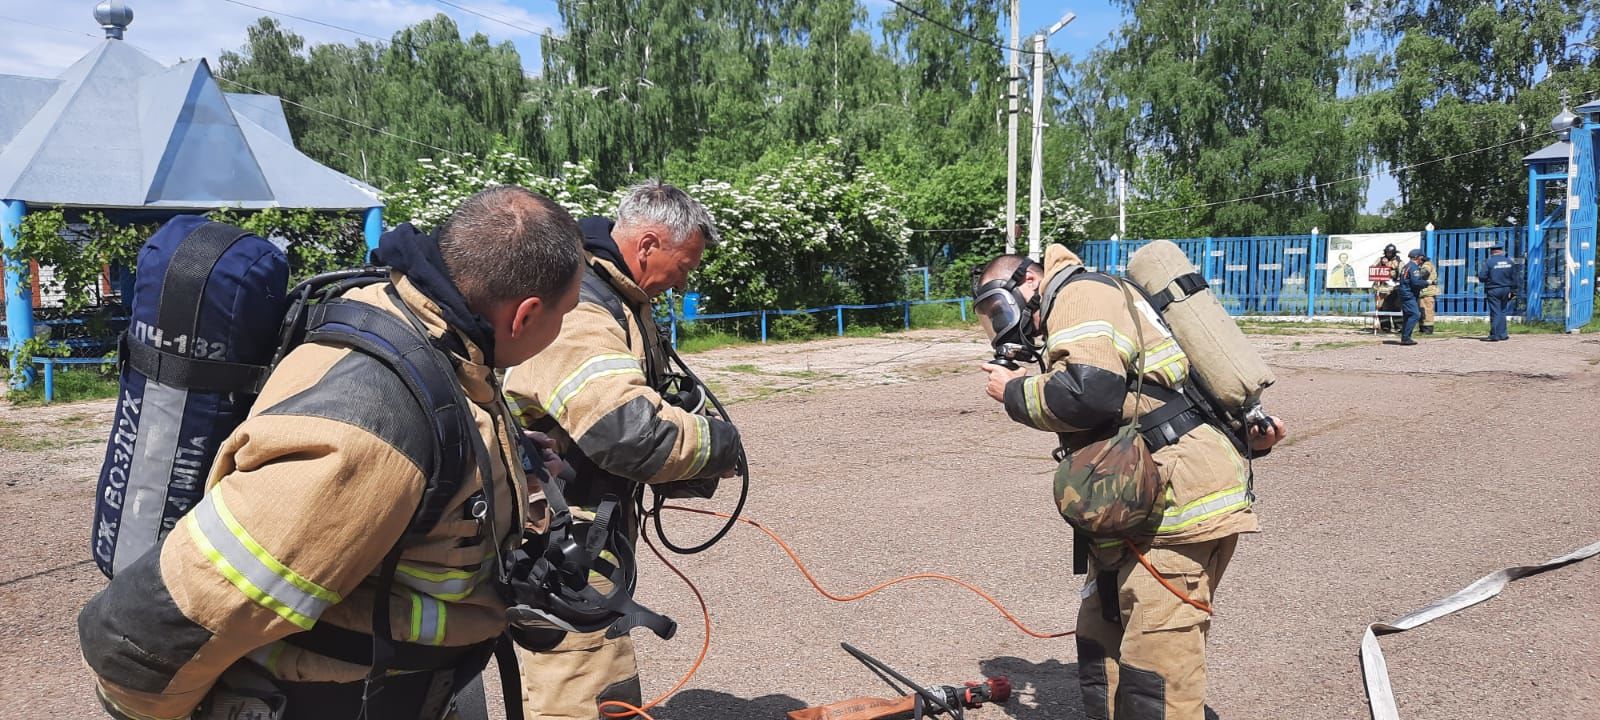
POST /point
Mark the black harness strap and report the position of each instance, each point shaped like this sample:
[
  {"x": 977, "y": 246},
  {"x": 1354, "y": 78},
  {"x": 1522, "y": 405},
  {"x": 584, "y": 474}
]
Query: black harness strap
[
  {"x": 593, "y": 288},
  {"x": 169, "y": 368},
  {"x": 1186, "y": 286}
]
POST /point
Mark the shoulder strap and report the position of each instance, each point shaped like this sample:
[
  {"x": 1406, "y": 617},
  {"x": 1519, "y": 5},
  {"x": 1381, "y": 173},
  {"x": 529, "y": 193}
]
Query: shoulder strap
[
  {"x": 1059, "y": 282},
  {"x": 1185, "y": 285},
  {"x": 595, "y": 289}
]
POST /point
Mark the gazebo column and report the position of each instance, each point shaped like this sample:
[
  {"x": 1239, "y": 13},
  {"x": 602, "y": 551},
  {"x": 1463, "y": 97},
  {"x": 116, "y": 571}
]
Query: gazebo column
[
  {"x": 372, "y": 227},
  {"x": 19, "y": 299},
  {"x": 1533, "y": 258}
]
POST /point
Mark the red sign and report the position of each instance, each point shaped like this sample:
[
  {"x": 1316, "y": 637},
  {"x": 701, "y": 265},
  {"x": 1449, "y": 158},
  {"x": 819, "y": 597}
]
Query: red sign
[{"x": 1380, "y": 273}]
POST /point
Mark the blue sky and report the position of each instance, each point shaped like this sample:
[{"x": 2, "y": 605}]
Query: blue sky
[{"x": 43, "y": 37}]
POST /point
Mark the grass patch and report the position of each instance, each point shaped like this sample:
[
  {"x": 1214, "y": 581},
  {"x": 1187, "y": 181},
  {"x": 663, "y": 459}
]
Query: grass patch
[
  {"x": 71, "y": 385},
  {"x": 12, "y": 438},
  {"x": 802, "y": 374},
  {"x": 939, "y": 316},
  {"x": 1339, "y": 344},
  {"x": 701, "y": 342},
  {"x": 746, "y": 368}
]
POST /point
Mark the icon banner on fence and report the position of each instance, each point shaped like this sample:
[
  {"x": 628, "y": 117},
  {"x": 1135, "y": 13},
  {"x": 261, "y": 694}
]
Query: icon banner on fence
[{"x": 1349, "y": 256}]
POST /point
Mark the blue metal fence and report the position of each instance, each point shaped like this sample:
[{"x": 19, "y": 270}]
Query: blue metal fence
[{"x": 1287, "y": 274}]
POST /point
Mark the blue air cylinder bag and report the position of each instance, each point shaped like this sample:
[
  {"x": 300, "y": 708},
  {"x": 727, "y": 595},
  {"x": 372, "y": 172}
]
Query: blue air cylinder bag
[{"x": 207, "y": 309}]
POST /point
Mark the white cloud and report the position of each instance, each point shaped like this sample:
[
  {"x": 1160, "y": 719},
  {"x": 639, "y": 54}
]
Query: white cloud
[{"x": 172, "y": 29}]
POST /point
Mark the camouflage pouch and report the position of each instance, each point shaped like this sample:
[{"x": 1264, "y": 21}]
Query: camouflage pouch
[{"x": 1111, "y": 488}]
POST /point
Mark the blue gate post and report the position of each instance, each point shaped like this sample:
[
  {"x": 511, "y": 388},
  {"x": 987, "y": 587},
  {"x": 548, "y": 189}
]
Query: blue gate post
[
  {"x": 1533, "y": 260},
  {"x": 1581, "y": 222},
  {"x": 838, "y": 311},
  {"x": 1429, "y": 246},
  {"x": 1116, "y": 256},
  {"x": 908, "y": 314},
  {"x": 926, "y": 288},
  {"x": 763, "y": 327},
  {"x": 19, "y": 299},
  {"x": 1311, "y": 275},
  {"x": 672, "y": 315},
  {"x": 372, "y": 227},
  {"x": 963, "y": 309}
]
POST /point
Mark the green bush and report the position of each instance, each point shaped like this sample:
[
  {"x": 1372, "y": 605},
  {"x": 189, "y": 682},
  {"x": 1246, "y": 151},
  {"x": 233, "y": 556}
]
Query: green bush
[{"x": 792, "y": 327}]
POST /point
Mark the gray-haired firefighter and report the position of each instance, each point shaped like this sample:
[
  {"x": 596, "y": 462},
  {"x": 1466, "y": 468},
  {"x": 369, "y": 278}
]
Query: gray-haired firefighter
[
  {"x": 1141, "y": 649},
  {"x": 260, "y": 603},
  {"x": 598, "y": 391}
]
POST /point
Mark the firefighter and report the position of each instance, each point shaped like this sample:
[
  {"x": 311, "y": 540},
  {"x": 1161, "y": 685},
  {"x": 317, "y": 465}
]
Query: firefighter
[
  {"x": 255, "y": 603},
  {"x": 1498, "y": 275},
  {"x": 1388, "y": 301},
  {"x": 1141, "y": 649},
  {"x": 1429, "y": 296},
  {"x": 597, "y": 391}
]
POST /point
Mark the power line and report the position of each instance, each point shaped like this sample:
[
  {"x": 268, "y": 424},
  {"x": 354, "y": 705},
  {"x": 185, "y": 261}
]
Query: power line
[
  {"x": 987, "y": 41},
  {"x": 544, "y": 34},
  {"x": 390, "y": 40},
  {"x": 343, "y": 119},
  {"x": 50, "y": 27}
]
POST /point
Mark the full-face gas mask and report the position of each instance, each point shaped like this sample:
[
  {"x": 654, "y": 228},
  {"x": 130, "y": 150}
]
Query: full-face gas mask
[
  {"x": 1008, "y": 318},
  {"x": 1391, "y": 252}
]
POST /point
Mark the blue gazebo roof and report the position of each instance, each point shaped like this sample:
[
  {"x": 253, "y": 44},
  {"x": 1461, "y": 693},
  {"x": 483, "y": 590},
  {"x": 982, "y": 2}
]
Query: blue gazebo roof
[
  {"x": 118, "y": 129},
  {"x": 1556, "y": 152}
]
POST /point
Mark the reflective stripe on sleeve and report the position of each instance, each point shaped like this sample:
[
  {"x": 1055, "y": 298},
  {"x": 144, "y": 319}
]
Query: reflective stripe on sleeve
[
  {"x": 1093, "y": 329},
  {"x": 1033, "y": 393},
  {"x": 251, "y": 569},
  {"x": 267, "y": 655},
  {"x": 596, "y": 367},
  {"x": 702, "y": 448},
  {"x": 427, "y": 620},
  {"x": 1166, "y": 358}
]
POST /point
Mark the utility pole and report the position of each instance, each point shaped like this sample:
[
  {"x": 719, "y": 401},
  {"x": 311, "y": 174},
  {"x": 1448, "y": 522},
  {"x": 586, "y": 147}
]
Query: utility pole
[
  {"x": 1122, "y": 202},
  {"x": 1036, "y": 188},
  {"x": 1011, "y": 127}
]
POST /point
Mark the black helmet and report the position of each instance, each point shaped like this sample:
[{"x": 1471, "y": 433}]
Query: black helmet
[{"x": 1390, "y": 249}]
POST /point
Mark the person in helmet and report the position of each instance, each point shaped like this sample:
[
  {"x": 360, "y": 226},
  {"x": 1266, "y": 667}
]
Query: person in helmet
[
  {"x": 1141, "y": 649},
  {"x": 1409, "y": 284},
  {"x": 1388, "y": 301}
]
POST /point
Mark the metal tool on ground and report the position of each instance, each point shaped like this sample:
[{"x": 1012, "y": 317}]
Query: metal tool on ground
[{"x": 915, "y": 701}]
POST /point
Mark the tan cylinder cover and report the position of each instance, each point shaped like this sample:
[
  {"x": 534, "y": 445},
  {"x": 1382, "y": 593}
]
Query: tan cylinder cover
[{"x": 1219, "y": 353}]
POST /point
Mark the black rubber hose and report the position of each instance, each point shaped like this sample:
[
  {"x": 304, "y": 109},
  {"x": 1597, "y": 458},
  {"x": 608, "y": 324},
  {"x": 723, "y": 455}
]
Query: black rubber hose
[{"x": 741, "y": 466}]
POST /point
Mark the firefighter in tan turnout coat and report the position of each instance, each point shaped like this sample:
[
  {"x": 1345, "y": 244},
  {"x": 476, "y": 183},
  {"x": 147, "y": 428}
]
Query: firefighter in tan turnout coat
[
  {"x": 1141, "y": 650},
  {"x": 595, "y": 391},
  {"x": 312, "y": 491}
]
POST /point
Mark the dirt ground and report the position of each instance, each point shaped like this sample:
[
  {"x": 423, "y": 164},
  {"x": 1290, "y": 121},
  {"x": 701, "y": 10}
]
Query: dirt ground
[{"x": 1409, "y": 473}]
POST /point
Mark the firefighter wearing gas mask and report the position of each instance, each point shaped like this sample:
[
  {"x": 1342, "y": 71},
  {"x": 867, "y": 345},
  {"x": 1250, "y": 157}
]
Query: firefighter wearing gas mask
[
  {"x": 603, "y": 391},
  {"x": 1141, "y": 649},
  {"x": 1388, "y": 300}
]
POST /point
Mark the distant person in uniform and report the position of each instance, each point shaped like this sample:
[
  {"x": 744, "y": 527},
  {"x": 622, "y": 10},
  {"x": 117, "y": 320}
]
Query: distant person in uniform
[
  {"x": 1408, "y": 285},
  {"x": 1498, "y": 274},
  {"x": 1388, "y": 301},
  {"x": 1429, "y": 295},
  {"x": 1342, "y": 275}
]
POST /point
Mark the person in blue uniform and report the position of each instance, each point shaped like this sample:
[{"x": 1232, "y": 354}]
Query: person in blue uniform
[
  {"x": 1498, "y": 274},
  {"x": 1408, "y": 284}
]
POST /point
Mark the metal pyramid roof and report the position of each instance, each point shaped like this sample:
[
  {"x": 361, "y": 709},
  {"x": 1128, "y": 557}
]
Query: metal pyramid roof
[
  {"x": 1558, "y": 151},
  {"x": 119, "y": 130}
]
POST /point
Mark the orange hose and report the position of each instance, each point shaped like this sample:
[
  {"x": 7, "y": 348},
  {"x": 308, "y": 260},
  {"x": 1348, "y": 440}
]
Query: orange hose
[
  {"x": 882, "y": 586},
  {"x": 1205, "y": 607},
  {"x": 628, "y": 710}
]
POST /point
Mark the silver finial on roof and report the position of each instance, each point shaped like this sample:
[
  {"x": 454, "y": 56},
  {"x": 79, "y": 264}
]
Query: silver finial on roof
[{"x": 114, "y": 16}]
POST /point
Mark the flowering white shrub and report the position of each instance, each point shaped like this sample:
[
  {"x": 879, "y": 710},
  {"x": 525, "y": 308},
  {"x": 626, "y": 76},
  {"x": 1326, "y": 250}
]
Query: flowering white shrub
[{"x": 816, "y": 231}]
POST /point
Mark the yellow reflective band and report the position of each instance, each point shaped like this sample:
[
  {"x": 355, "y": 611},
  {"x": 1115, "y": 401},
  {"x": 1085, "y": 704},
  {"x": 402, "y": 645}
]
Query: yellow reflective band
[
  {"x": 267, "y": 655},
  {"x": 267, "y": 559},
  {"x": 1205, "y": 508},
  {"x": 427, "y": 620},
  {"x": 1093, "y": 329},
  {"x": 702, "y": 448},
  {"x": 599, "y": 366},
  {"x": 240, "y": 559},
  {"x": 450, "y": 585},
  {"x": 1033, "y": 393}
]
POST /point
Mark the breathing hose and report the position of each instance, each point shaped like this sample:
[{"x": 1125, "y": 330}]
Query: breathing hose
[{"x": 741, "y": 467}]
